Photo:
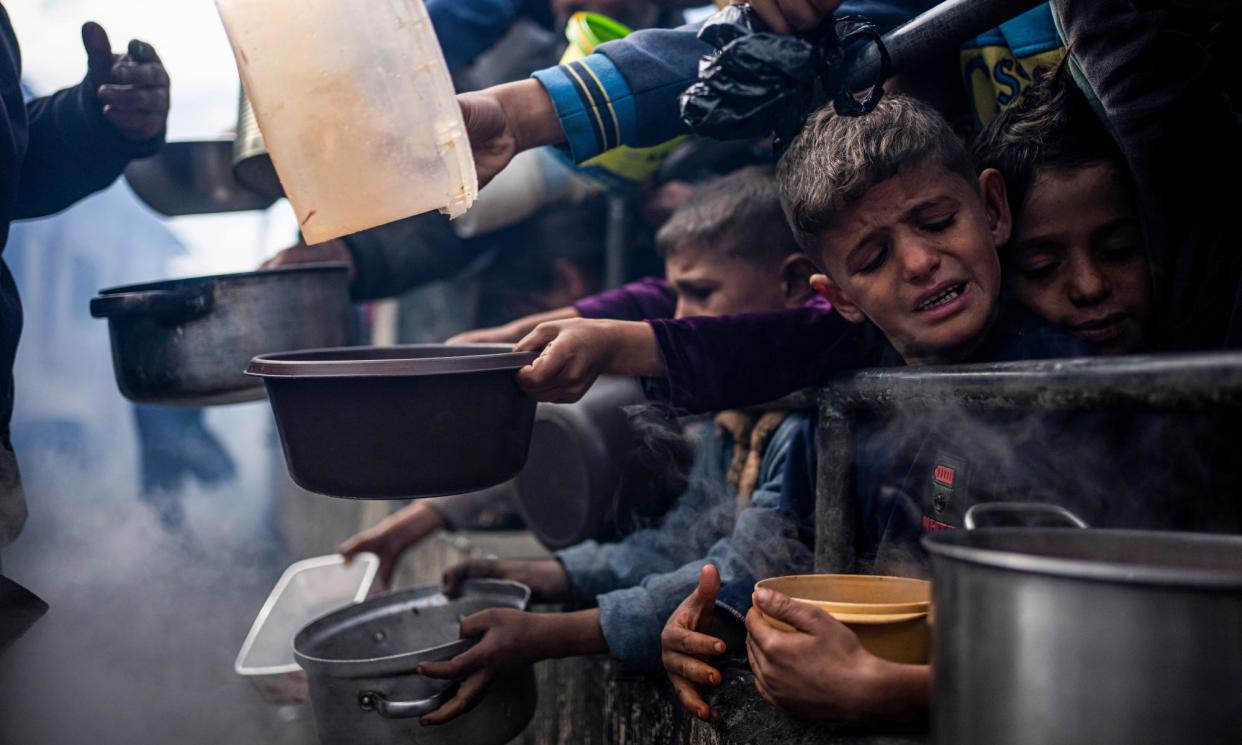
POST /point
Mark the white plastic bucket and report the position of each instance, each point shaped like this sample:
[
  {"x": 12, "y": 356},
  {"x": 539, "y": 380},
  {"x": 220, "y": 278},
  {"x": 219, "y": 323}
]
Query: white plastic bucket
[{"x": 356, "y": 105}]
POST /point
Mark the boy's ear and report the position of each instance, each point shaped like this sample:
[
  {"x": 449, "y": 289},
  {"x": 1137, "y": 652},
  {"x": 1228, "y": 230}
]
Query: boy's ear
[
  {"x": 796, "y": 272},
  {"x": 824, "y": 285},
  {"x": 996, "y": 202}
]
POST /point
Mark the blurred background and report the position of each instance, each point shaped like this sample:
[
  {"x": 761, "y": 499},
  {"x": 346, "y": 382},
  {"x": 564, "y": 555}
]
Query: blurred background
[{"x": 140, "y": 518}]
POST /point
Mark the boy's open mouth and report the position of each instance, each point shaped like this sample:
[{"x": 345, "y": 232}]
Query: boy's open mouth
[{"x": 941, "y": 296}]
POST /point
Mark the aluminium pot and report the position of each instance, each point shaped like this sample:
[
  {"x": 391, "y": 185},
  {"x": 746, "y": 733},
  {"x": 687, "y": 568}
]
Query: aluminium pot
[
  {"x": 187, "y": 341},
  {"x": 361, "y": 665},
  {"x": 418, "y": 420},
  {"x": 1086, "y": 637}
]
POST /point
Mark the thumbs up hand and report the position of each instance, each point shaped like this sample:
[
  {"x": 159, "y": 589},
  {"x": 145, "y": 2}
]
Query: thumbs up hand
[{"x": 132, "y": 89}]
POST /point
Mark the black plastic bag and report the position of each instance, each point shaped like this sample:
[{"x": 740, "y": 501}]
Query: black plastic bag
[{"x": 759, "y": 84}]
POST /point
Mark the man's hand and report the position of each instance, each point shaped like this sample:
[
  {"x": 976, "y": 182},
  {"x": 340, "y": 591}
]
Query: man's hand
[
  {"x": 393, "y": 535},
  {"x": 300, "y": 253},
  {"x": 132, "y": 89},
  {"x": 504, "y": 120},
  {"x": 579, "y": 350},
  {"x": 686, "y": 645},
  {"x": 547, "y": 578},
  {"x": 791, "y": 16},
  {"x": 510, "y": 637},
  {"x": 821, "y": 671}
]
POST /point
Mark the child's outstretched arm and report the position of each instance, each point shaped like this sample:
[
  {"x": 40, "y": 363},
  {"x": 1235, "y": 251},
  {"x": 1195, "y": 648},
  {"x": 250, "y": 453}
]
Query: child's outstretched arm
[
  {"x": 711, "y": 364},
  {"x": 577, "y": 351},
  {"x": 509, "y": 638}
]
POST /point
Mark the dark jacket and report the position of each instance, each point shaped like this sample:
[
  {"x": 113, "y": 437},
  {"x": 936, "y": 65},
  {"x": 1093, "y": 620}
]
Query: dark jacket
[{"x": 53, "y": 152}]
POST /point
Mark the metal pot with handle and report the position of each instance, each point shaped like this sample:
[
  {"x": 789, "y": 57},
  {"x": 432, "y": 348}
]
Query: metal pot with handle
[
  {"x": 1099, "y": 637},
  {"x": 188, "y": 341},
  {"x": 361, "y": 665}
]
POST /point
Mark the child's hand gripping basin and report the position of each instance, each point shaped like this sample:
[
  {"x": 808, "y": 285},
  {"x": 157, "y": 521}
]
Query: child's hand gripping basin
[{"x": 356, "y": 105}]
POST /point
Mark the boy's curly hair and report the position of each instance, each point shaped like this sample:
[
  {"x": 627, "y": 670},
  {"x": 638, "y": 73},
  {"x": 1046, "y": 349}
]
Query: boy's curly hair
[
  {"x": 1051, "y": 126},
  {"x": 835, "y": 160}
]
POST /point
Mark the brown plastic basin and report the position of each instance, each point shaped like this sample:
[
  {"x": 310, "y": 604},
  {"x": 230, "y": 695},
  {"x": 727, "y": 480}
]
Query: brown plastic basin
[{"x": 408, "y": 421}]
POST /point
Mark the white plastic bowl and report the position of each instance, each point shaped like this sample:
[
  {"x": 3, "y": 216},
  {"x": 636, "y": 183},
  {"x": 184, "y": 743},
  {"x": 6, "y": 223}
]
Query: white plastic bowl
[{"x": 306, "y": 591}]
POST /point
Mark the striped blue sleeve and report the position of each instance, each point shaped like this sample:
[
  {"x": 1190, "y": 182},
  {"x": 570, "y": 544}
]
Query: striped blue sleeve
[{"x": 593, "y": 103}]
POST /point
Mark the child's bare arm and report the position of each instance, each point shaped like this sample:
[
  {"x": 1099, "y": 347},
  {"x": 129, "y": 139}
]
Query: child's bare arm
[
  {"x": 577, "y": 351},
  {"x": 515, "y": 330},
  {"x": 509, "y": 638},
  {"x": 393, "y": 535}
]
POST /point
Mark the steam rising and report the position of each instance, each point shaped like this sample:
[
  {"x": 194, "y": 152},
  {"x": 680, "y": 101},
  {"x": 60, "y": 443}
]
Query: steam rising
[{"x": 138, "y": 646}]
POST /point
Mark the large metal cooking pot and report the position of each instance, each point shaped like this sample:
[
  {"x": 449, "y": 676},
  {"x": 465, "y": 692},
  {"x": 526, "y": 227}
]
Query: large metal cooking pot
[
  {"x": 417, "y": 420},
  {"x": 188, "y": 341},
  {"x": 1092, "y": 637},
  {"x": 361, "y": 664}
]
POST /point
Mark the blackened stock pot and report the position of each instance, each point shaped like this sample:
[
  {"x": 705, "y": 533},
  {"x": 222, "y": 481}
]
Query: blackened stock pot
[
  {"x": 188, "y": 341},
  {"x": 361, "y": 665},
  {"x": 1049, "y": 636}
]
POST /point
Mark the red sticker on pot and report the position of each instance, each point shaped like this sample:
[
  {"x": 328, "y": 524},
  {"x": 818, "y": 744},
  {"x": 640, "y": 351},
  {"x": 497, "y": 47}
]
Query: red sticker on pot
[{"x": 944, "y": 475}]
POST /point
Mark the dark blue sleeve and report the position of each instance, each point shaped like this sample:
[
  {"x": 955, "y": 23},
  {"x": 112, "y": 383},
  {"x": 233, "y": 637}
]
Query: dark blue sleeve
[
  {"x": 73, "y": 152},
  {"x": 468, "y": 28},
  {"x": 657, "y": 65},
  {"x": 626, "y": 93}
]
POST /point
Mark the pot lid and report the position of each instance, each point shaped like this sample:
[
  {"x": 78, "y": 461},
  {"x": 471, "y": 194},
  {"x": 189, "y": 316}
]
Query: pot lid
[
  {"x": 391, "y": 634},
  {"x": 1193, "y": 560},
  {"x": 399, "y": 361}
]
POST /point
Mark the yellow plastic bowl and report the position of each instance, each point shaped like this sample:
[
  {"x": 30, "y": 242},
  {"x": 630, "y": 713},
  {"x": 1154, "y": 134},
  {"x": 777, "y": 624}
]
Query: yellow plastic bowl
[{"x": 890, "y": 615}]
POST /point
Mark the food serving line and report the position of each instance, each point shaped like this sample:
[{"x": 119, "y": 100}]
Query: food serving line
[{"x": 412, "y": 421}]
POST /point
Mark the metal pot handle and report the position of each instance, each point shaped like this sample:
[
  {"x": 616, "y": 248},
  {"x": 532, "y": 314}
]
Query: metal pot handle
[
  {"x": 373, "y": 701},
  {"x": 1018, "y": 508},
  {"x": 174, "y": 305}
]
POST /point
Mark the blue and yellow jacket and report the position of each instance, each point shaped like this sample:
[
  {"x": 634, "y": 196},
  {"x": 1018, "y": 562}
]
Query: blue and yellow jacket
[{"x": 626, "y": 93}]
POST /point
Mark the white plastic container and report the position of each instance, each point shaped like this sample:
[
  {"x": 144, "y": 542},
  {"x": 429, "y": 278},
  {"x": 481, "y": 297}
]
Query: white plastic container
[
  {"x": 306, "y": 591},
  {"x": 356, "y": 105}
]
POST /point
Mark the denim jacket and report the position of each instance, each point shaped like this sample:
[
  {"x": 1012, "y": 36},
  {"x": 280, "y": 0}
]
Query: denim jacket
[{"x": 640, "y": 580}]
